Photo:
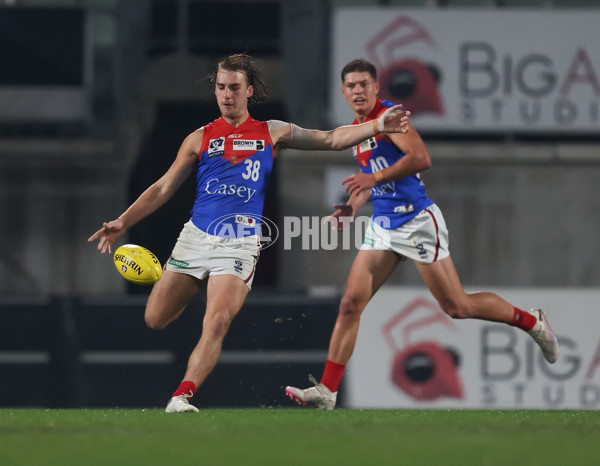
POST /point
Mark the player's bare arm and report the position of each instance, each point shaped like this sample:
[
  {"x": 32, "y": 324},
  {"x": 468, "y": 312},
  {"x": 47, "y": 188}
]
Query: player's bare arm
[
  {"x": 415, "y": 160},
  {"x": 393, "y": 120},
  {"x": 153, "y": 197}
]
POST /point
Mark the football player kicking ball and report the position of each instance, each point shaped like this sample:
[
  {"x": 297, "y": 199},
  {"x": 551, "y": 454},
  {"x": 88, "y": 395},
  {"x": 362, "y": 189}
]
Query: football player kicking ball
[
  {"x": 406, "y": 224},
  {"x": 218, "y": 248}
]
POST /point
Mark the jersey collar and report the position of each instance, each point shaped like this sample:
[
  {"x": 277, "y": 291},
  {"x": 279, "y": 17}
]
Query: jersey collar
[
  {"x": 374, "y": 113},
  {"x": 244, "y": 123}
]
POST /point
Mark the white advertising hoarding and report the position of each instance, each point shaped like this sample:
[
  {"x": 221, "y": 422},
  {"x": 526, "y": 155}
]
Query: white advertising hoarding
[
  {"x": 484, "y": 70},
  {"x": 409, "y": 354}
]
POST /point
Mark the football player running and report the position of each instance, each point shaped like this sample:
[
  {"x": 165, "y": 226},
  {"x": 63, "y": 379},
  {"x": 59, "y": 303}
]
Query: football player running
[{"x": 406, "y": 224}]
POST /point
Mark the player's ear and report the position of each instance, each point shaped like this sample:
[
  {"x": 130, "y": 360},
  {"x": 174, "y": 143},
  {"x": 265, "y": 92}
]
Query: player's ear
[
  {"x": 250, "y": 91},
  {"x": 376, "y": 85}
]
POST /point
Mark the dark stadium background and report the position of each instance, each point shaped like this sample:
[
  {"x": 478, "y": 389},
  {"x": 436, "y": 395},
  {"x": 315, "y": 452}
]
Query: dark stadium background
[{"x": 133, "y": 74}]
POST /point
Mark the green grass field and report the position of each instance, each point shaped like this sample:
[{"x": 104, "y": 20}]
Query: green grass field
[{"x": 298, "y": 437}]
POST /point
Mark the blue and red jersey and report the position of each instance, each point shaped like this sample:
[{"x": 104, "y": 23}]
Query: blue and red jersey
[
  {"x": 394, "y": 202},
  {"x": 234, "y": 169}
]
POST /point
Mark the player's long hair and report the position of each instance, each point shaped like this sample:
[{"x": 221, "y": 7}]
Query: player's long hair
[{"x": 245, "y": 64}]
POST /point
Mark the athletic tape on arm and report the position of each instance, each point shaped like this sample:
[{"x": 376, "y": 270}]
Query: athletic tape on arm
[
  {"x": 301, "y": 137},
  {"x": 276, "y": 124}
]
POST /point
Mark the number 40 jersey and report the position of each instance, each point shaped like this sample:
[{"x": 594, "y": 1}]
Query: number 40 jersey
[
  {"x": 234, "y": 168},
  {"x": 394, "y": 202}
]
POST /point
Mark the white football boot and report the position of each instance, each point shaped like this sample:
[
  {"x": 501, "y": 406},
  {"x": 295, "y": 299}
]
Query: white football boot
[
  {"x": 180, "y": 404},
  {"x": 319, "y": 395},
  {"x": 544, "y": 336}
]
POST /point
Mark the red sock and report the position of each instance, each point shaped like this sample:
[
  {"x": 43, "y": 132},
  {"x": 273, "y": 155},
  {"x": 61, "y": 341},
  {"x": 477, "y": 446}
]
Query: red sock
[
  {"x": 523, "y": 319},
  {"x": 332, "y": 375},
  {"x": 186, "y": 388}
]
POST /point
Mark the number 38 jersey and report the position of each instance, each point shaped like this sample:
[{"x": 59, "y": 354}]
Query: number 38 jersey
[
  {"x": 234, "y": 168},
  {"x": 394, "y": 202}
]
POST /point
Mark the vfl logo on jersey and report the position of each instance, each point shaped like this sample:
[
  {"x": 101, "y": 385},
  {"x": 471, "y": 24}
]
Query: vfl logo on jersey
[
  {"x": 216, "y": 147},
  {"x": 249, "y": 144}
]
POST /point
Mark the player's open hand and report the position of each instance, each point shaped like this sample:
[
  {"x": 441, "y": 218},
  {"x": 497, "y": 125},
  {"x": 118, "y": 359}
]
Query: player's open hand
[
  {"x": 394, "y": 120},
  {"x": 108, "y": 234},
  {"x": 343, "y": 214}
]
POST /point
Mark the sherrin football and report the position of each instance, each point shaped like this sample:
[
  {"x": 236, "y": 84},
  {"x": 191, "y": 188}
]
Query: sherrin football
[{"x": 137, "y": 264}]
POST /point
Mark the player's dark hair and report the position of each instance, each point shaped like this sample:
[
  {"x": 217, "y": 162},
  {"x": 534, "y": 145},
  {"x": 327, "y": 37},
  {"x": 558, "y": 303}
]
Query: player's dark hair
[
  {"x": 245, "y": 64},
  {"x": 359, "y": 65}
]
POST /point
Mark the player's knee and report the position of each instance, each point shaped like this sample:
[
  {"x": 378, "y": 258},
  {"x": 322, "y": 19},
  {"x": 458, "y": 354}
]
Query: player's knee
[
  {"x": 216, "y": 326},
  {"x": 154, "y": 321},
  {"x": 350, "y": 306},
  {"x": 156, "y": 314},
  {"x": 457, "y": 309},
  {"x": 157, "y": 317}
]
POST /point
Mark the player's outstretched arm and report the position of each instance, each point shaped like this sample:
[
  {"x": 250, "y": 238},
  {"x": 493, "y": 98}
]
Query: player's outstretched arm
[
  {"x": 393, "y": 120},
  {"x": 154, "y": 197}
]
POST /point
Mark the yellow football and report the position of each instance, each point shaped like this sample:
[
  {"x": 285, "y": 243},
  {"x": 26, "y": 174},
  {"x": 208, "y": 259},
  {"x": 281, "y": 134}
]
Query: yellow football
[{"x": 137, "y": 264}]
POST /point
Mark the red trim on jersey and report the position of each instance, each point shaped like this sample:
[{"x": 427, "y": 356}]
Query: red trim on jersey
[
  {"x": 379, "y": 108},
  {"x": 250, "y": 276},
  {"x": 250, "y": 126},
  {"x": 437, "y": 244}
]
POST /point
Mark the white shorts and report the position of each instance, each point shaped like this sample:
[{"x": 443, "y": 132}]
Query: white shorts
[
  {"x": 200, "y": 254},
  {"x": 424, "y": 239}
]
